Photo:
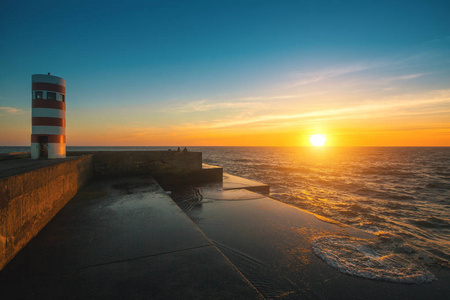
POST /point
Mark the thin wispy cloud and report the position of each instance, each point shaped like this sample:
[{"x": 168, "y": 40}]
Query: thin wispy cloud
[
  {"x": 391, "y": 105},
  {"x": 407, "y": 77},
  {"x": 389, "y": 64},
  {"x": 437, "y": 41},
  {"x": 387, "y": 81},
  {"x": 306, "y": 78},
  {"x": 207, "y": 105},
  {"x": 248, "y": 102},
  {"x": 303, "y": 85},
  {"x": 266, "y": 98},
  {"x": 10, "y": 110},
  {"x": 281, "y": 96},
  {"x": 399, "y": 129}
]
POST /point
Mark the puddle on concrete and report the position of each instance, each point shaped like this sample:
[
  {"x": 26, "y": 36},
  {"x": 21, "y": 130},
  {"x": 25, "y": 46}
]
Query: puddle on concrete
[
  {"x": 132, "y": 187},
  {"x": 186, "y": 197},
  {"x": 132, "y": 202},
  {"x": 230, "y": 195},
  {"x": 91, "y": 192},
  {"x": 270, "y": 284}
]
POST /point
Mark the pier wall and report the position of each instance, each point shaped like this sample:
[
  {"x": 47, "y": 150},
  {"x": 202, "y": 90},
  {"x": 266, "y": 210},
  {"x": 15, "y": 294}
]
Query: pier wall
[
  {"x": 169, "y": 168},
  {"x": 28, "y": 201},
  {"x": 155, "y": 163}
]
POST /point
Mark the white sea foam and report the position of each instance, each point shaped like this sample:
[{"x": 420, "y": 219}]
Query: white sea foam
[{"x": 382, "y": 258}]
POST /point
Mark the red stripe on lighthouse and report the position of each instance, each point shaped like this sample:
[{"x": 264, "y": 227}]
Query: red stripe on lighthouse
[
  {"x": 44, "y": 103},
  {"x": 47, "y": 121},
  {"x": 52, "y": 138},
  {"x": 42, "y": 86}
]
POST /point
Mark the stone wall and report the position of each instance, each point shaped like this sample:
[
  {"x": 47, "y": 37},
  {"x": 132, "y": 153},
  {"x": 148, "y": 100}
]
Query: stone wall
[
  {"x": 30, "y": 200},
  {"x": 155, "y": 163},
  {"x": 208, "y": 174},
  {"x": 164, "y": 166}
]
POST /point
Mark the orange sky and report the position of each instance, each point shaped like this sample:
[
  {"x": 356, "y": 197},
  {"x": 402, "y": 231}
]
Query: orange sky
[
  {"x": 421, "y": 119},
  {"x": 246, "y": 74},
  {"x": 397, "y": 121}
]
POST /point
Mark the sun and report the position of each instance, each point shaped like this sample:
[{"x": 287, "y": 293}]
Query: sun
[{"x": 317, "y": 140}]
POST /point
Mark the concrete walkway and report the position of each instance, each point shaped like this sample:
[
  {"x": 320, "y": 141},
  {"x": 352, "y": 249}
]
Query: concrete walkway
[
  {"x": 270, "y": 243},
  {"x": 12, "y": 167},
  {"x": 122, "y": 239}
]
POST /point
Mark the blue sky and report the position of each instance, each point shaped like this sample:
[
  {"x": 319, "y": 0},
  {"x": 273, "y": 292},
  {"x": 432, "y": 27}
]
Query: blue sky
[{"x": 168, "y": 65}]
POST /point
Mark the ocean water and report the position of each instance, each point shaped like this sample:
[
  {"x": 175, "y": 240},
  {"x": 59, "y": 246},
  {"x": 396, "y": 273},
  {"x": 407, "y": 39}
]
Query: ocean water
[{"x": 401, "y": 195}]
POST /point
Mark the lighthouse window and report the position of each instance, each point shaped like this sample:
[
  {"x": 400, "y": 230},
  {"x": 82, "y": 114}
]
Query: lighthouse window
[
  {"x": 51, "y": 96},
  {"x": 38, "y": 95},
  {"x": 62, "y": 97}
]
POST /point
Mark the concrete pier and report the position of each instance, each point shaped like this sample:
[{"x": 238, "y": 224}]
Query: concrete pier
[{"x": 122, "y": 238}]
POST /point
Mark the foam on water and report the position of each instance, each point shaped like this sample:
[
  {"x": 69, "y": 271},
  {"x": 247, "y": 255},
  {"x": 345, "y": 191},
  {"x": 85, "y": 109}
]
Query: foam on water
[{"x": 383, "y": 258}]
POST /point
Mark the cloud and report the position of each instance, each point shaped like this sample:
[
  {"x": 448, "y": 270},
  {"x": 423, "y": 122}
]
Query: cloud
[
  {"x": 407, "y": 77},
  {"x": 250, "y": 102},
  {"x": 387, "y": 81},
  {"x": 317, "y": 76},
  {"x": 207, "y": 105},
  {"x": 438, "y": 41},
  {"x": 11, "y": 110},
  {"x": 391, "y": 106},
  {"x": 281, "y": 97}
]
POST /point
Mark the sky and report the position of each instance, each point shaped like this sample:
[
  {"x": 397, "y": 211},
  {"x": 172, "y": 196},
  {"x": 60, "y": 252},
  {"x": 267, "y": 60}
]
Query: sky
[{"x": 231, "y": 73}]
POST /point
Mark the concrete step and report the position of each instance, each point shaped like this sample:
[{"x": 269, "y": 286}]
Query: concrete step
[{"x": 231, "y": 182}]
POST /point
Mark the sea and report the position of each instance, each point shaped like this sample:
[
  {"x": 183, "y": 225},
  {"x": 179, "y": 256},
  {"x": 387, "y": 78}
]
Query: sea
[{"x": 401, "y": 195}]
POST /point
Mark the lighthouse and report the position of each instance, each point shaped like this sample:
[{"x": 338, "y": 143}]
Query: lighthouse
[{"x": 48, "y": 116}]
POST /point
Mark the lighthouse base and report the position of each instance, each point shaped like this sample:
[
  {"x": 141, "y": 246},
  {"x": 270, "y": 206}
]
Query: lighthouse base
[{"x": 48, "y": 150}]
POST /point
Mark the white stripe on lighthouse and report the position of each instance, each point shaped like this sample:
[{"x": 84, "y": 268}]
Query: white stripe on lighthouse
[
  {"x": 48, "y": 112},
  {"x": 48, "y": 130}
]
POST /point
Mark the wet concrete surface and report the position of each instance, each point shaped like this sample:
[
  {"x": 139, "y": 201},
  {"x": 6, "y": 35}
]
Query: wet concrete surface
[
  {"x": 125, "y": 238},
  {"x": 122, "y": 238},
  {"x": 270, "y": 243}
]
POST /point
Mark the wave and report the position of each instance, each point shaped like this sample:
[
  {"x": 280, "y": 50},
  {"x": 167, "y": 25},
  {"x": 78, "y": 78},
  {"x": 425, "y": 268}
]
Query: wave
[
  {"x": 381, "y": 194},
  {"x": 432, "y": 222},
  {"x": 291, "y": 169},
  {"x": 438, "y": 185},
  {"x": 243, "y": 160},
  {"x": 386, "y": 171}
]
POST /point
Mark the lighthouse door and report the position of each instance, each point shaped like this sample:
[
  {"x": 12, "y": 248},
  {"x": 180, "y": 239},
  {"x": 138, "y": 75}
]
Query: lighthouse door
[{"x": 43, "y": 146}]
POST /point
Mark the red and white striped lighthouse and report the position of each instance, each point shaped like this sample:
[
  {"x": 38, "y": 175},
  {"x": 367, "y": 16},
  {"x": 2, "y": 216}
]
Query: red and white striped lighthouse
[{"x": 48, "y": 117}]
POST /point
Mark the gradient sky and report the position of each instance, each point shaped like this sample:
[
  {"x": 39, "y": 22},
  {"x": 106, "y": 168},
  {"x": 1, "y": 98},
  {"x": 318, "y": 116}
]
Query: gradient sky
[{"x": 253, "y": 73}]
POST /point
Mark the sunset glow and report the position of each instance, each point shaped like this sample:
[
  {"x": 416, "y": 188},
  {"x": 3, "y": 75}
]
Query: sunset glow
[
  {"x": 317, "y": 140},
  {"x": 195, "y": 80}
]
